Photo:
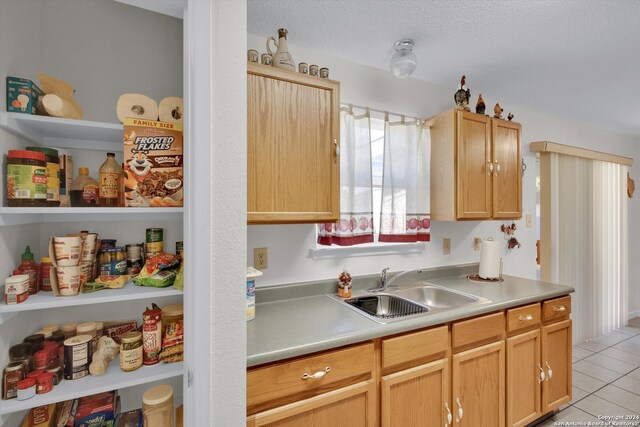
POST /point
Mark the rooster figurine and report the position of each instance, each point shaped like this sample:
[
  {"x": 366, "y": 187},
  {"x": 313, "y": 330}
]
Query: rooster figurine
[
  {"x": 498, "y": 111},
  {"x": 462, "y": 95},
  {"x": 480, "y": 106},
  {"x": 510, "y": 117}
]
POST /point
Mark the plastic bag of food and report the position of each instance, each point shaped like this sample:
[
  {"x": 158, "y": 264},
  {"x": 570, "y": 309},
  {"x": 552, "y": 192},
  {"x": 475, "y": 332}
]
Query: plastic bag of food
[
  {"x": 179, "y": 283},
  {"x": 157, "y": 263},
  {"x": 161, "y": 279}
]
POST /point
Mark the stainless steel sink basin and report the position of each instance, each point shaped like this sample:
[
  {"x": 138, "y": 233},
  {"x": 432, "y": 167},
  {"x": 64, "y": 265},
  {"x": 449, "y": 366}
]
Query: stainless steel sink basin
[
  {"x": 385, "y": 306},
  {"x": 436, "y": 297}
]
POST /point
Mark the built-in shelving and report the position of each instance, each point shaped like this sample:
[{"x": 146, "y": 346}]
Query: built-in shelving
[
  {"x": 64, "y": 133},
  {"x": 16, "y": 216},
  {"x": 113, "y": 379}
]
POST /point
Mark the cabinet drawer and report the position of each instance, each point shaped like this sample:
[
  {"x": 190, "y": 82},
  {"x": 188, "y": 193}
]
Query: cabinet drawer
[
  {"x": 523, "y": 317},
  {"x": 414, "y": 346},
  {"x": 283, "y": 382},
  {"x": 478, "y": 329},
  {"x": 558, "y": 308}
]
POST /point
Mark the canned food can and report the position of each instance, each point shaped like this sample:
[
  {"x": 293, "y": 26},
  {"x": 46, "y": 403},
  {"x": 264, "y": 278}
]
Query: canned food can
[
  {"x": 180, "y": 248},
  {"x": 155, "y": 240},
  {"x": 78, "y": 352},
  {"x": 134, "y": 258}
]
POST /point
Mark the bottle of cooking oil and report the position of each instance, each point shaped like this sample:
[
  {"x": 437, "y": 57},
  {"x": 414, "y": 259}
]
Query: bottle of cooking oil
[{"x": 110, "y": 182}]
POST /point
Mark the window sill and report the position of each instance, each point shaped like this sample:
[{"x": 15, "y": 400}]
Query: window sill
[{"x": 370, "y": 249}]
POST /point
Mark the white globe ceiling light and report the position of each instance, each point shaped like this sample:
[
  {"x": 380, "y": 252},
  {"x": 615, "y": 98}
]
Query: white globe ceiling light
[{"x": 403, "y": 62}]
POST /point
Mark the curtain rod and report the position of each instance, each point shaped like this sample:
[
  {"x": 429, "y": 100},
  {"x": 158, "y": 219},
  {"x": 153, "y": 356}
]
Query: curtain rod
[{"x": 346, "y": 104}]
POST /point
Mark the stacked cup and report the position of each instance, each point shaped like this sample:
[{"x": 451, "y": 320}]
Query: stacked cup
[{"x": 72, "y": 257}]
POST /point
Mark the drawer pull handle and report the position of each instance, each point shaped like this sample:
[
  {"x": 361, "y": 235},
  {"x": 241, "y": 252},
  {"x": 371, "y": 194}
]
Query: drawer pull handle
[
  {"x": 560, "y": 308},
  {"x": 526, "y": 318},
  {"x": 460, "y": 411},
  {"x": 542, "y": 375},
  {"x": 317, "y": 375},
  {"x": 449, "y": 416},
  {"x": 549, "y": 371}
]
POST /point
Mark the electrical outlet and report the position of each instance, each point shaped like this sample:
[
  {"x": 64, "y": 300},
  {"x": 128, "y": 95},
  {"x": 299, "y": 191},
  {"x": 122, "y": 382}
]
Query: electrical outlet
[
  {"x": 529, "y": 222},
  {"x": 476, "y": 243},
  {"x": 260, "y": 258},
  {"x": 446, "y": 246}
]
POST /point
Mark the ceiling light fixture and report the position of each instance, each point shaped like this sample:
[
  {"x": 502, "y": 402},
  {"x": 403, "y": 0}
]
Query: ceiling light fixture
[{"x": 403, "y": 62}]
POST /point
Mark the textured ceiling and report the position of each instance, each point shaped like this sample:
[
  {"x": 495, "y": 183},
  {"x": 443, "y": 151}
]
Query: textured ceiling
[{"x": 577, "y": 60}]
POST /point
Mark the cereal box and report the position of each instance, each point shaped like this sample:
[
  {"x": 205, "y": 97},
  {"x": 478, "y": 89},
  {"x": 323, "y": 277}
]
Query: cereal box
[
  {"x": 152, "y": 163},
  {"x": 22, "y": 95}
]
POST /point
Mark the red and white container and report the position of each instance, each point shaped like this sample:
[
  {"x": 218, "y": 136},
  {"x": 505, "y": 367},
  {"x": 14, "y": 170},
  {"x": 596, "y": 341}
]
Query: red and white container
[{"x": 16, "y": 289}]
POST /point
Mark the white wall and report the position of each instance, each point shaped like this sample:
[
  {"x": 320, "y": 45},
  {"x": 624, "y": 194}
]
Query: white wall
[{"x": 289, "y": 259}]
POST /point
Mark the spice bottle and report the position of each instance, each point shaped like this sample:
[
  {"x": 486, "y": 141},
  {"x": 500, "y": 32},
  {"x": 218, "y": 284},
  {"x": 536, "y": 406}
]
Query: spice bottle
[
  {"x": 28, "y": 266},
  {"x": 152, "y": 335},
  {"x": 45, "y": 274},
  {"x": 110, "y": 182},
  {"x": 12, "y": 374},
  {"x": 26, "y": 388},
  {"x": 85, "y": 191}
]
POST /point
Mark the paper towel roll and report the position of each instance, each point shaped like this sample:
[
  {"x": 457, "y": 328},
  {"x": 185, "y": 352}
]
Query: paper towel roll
[
  {"x": 171, "y": 110},
  {"x": 138, "y": 106},
  {"x": 490, "y": 259}
]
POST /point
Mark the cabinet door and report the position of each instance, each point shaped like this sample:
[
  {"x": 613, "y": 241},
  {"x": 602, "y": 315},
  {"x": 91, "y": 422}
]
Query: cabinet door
[
  {"x": 523, "y": 378},
  {"x": 416, "y": 397},
  {"x": 507, "y": 170},
  {"x": 556, "y": 361},
  {"x": 292, "y": 141},
  {"x": 478, "y": 386},
  {"x": 473, "y": 148},
  {"x": 352, "y": 406}
]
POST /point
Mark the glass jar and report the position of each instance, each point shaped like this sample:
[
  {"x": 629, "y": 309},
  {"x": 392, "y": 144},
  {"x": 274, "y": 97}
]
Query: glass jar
[
  {"x": 69, "y": 329},
  {"x": 131, "y": 351},
  {"x": 26, "y": 179},
  {"x": 52, "y": 161},
  {"x": 36, "y": 341},
  {"x": 113, "y": 262},
  {"x": 12, "y": 374},
  {"x": 21, "y": 353}
]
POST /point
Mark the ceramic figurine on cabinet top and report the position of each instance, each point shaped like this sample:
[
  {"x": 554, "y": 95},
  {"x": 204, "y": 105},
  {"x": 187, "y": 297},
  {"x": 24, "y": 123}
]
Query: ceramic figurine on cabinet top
[
  {"x": 462, "y": 95},
  {"x": 282, "y": 58},
  {"x": 498, "y": 111},
  {"x": 480, "y": 106},
  {"x": 509, "y": 116}
]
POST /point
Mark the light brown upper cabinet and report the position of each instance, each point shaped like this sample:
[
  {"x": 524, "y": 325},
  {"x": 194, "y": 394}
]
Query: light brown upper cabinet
[
  {"x": 293, "y": 144},
  {"x": 476, "y": 167}
]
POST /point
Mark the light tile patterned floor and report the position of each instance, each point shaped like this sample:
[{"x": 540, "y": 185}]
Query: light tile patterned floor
[{"x": 606, "y": 379}]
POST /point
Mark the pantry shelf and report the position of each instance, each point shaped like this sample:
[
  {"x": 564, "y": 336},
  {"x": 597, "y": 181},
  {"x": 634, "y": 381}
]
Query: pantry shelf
[
  {"x": 112, "y": 380},
  {"x": 129, "y": 292},
  {"x": 16, "y": 216},
  {"x": 65, "y": 133}
]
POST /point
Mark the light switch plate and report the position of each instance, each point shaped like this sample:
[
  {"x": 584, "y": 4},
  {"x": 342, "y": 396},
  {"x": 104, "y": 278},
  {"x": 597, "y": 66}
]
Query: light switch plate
[
  {"x": 476, "y": 243},
  {"x": 528, "y": 221},
  {"x": 446, "y": 246}
]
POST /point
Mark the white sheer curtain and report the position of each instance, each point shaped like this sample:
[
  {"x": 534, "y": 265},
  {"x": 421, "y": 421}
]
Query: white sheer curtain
[
  {"x": 356, "y": 201},
  {"x": 589, "y": 241},
  {"x": 404, "y": 214}
]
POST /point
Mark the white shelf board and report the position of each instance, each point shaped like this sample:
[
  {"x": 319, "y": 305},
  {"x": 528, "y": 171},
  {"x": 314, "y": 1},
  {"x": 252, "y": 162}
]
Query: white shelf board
[
  {"x": 113, "y": 379},
  {"x": 15, "y": 216},
  {"x": 46, "y": 300},
  {"x": 64, "y": 133}
]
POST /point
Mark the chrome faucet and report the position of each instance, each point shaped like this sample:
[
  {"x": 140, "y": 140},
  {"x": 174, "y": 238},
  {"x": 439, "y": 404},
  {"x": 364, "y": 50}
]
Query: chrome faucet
[{"x": 383, "y": 282}]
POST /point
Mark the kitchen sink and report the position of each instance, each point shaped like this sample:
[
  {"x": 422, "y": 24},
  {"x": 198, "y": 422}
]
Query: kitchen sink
[
  {"x": 436, "y": 297},
  {"x": 385, "y": 306}
]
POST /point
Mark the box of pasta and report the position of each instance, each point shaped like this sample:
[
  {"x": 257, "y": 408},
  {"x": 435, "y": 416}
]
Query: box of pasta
[{"x": 153, "y": 174}]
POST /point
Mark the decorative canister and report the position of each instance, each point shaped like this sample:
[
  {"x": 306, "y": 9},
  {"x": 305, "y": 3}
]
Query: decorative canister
[
  {"x": 313, "y": 70},
  {"x": 152, "y": 335},
  {"x": 267, "y": 59},
  {"x": 252, "y": 55},
  {"x": 77, "y": 356},
  {"x": 131, "y": 351},
  {"x": 252, "y": 273},
  {"x": 303, "y": 68},
  {"x": 324, "y": 73}
]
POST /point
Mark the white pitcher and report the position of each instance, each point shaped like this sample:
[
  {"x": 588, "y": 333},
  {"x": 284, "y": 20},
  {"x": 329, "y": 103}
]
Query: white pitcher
[{"x": 282, "y": 58}]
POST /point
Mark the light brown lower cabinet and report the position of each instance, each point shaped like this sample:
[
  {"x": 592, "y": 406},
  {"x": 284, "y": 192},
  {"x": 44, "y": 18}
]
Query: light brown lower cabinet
[
  {"x": 556, "y": 361},
  {"x": 351, "y": 406},
  {"x": 524, "y": 378},
  {"x": 416, "y": 396},
  {"x": 477, "y": 386}
]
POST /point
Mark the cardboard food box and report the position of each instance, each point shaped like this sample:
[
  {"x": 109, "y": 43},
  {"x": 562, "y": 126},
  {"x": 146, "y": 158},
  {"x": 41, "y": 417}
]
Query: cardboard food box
[
  {"x": 41, "y": 416},
  {"x": 22, "y": 95},
  {"x": 153, "y": 173},
  {"x": 96, "y": 410}
]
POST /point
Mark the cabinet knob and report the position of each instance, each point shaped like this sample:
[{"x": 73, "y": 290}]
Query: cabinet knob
[
  {"x": 526, "y": 318},
  {"x": 497, "y": 168},
  {"x": 317, "y": 375},
  {"x": 460, "y": 411},
  {"x": 449, "y": 416},
  {"x": 337, "y": 147},
  {"x": 542, "y": 375},
  {"x": 560, "y": 308},
  {"x": 549, "y": 371},
  {"x": 490, "y": 168}
]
